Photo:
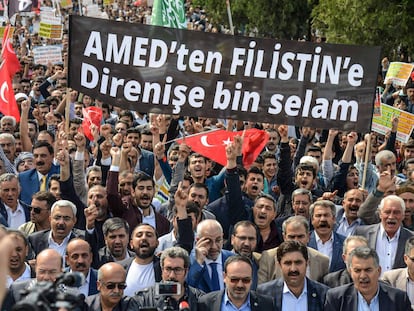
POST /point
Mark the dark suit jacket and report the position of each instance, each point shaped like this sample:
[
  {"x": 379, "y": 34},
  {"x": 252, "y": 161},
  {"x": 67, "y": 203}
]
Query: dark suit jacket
[
  {"x": 38, "y": 241},
  {"x": 29, "y": 182},
  {"x": 104, "y": 255},
  {"x": 337, "y": 278},
  {"x": 316, "y": 293},
  {"x": 345, "y": 298},
  {"x": 212, "y": 301},
  {"x": 371, "y": 233},
  {"x": 13, "y": 294},
  {"x": 336, "y": 261},
  {"x": 4, "y": 215},
  {"x": 198, "y": 276},
  {"x": 93, "y": 277},
  {"x": 94, "y": 304}
]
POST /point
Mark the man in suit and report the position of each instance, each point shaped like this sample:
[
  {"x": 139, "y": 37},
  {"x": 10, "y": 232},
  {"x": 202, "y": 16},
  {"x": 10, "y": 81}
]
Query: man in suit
[
  {"x": 116, "y": 236},
  {"x": 62, "y": 221},
  {"x": 388, "y": 237},
  {"x": 175, "y": 262},
  {"x": 403, "y": 277},
  {"x": 14, "y": 211},
  {"x": 365, "y": 292},
  {"x": 111, "y": 285},
  {"x": 144, "y": 269},
  {"x": 208, "y": 257},
  {"x": 238, "y": 275},
  {"x": 289, "y": 291},
  {"x": 79, "y": 259},
  {"x": 342, "y": 277},
  {"x": 48, "y": 268},
  {"x": 244, "y": 242},
  {"x": 295, "y": 228},
  {"x": 324, "y": 238},
  {"x": 36, "y": 179}
]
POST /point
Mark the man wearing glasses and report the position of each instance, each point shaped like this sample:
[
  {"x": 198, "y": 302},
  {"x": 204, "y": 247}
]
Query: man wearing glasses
[
  {"x": 175, "y": 262},
  {"x": 238, "y": 275},
  {"x": 111, "y": 285}
]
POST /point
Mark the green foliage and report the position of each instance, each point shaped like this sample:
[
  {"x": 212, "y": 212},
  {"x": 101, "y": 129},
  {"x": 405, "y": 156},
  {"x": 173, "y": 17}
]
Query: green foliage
[{"x": 368, "y": 22}]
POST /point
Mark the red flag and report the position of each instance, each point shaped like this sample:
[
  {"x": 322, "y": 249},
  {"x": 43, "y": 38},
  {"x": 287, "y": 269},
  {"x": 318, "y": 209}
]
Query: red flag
[
  {"x": 91, "y": 115},
  {"x": 8, "y": 105},
  {"x": 213, "y": 144},
  {"x": 8, "y": 55}
]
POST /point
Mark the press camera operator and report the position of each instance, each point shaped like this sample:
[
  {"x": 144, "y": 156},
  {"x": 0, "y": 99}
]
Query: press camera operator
[{"x": 172, "y": 293}]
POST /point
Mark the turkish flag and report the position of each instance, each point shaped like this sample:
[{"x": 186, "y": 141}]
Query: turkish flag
[
  {"x": 8, "y": 105},
  {"x": 91, "y": 115},
  {"x": 213, "y": 144},
  {"x": 8, "y": 54}
]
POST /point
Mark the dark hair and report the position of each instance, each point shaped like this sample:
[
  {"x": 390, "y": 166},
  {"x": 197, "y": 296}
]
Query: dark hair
[
  {"x": 175, "y": 252},
  {"x": 237, "y": 258},
  {"x": 268, "y": 155},
  {"x": 191, "y": 207},
  {"x": 114, "y": 223},
  {"x": 290, "y": 247},
  {"x": 199, "y": 185},
  {"x": 142, "y": 224},
  {"x": 45, "y": 196},
  {"x": 41, "y": 144},
  {"x": 255, "y": 170},
  {"x": 305, "y": 167},
  {"x": 18, "y": 233},
  {"x": 268, "y": 197},
  {"x": 141, "y": 176}
]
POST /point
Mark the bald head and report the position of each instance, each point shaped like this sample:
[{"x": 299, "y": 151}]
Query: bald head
[
  {"x": 109, "y": 269},
  {"x": 48, "y": 265}
]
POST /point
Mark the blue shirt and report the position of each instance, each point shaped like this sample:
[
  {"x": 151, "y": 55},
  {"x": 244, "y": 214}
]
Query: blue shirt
[
  {"x": 227, "y": 305},
  {"x": 364, "y": 306}
]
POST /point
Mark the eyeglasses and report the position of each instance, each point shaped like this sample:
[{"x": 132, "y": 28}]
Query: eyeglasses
[
  {"x": 37, "y": 210},
  {"x": 113, "y": 285},
  {"x": 177, "y": 270},
  {"x": 237, "y": 280}
]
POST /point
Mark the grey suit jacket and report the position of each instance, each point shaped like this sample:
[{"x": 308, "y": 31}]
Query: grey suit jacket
[
  {"x": 345, "y": 298},
  {"x": 269, "y": 269},
  {"x": 371, "y": 233},
  {"x": 396, "y": 278},
  {"x": 212, "y": 301}
]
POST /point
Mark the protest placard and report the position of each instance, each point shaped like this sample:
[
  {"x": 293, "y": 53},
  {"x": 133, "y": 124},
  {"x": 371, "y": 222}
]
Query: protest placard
[
  {"x": 398, "y": 73},
  {"x": 383, "y": 123},
  {"x": 50, "y": 26},
  {"x": 164, "y": 70},
  {"x": 47, "y": 54}
]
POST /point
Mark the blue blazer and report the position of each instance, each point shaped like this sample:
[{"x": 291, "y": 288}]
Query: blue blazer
[
  {"x": 29, "y": 183},
  {"x": 316, "y": 293},
  {"x": 198, "y": 276},
  {"x": 336, "y": 261}
]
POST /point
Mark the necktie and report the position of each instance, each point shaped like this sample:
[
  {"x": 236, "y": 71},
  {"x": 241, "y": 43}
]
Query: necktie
[
  {"x": 43, "y": 183},
  {"x": 215, "y": 284}
]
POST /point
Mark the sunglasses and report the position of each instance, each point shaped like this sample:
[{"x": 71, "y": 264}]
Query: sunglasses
[
  {"x": 113, "y": 285},
  {"x": 37, "y": 210},
  {"x": 237, "y": 280}
]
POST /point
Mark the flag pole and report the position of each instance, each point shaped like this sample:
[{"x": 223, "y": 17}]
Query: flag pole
[
  {"x": 367, "y": 156},
  {"x": 189, "y": 136},
  {"x": 230, "y": 17}
]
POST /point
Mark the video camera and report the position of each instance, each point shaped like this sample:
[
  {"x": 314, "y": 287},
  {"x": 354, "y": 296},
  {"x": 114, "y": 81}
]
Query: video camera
[{"x": 50, "y": 296}]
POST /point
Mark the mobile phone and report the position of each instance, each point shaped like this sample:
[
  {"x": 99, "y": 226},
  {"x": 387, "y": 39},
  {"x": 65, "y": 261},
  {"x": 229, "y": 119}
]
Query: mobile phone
[{"x": 167, "y": 289}]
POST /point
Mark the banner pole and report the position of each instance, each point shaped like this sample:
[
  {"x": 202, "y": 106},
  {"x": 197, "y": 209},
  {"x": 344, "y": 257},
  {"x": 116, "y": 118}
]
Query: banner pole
[
  {"x": 367, "y": 156},
  {"x": 230, "y": 17}
]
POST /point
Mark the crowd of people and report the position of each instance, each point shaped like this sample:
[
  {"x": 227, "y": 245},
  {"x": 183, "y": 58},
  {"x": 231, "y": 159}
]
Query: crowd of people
[{"x": 312, "y": 224}]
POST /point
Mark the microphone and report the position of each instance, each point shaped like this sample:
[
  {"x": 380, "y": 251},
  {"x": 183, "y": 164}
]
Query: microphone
[
  {"x": 184, "y": 306},
  {"x": 72, "y": 279}
]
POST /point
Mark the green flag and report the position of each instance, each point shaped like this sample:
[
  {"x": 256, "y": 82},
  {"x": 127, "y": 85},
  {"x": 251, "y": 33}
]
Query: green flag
[{"x": 169, "y": 13}]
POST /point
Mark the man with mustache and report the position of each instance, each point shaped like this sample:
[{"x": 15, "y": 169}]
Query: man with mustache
[
  {"x": 366, "y": 292},
  {"x": 111, "y": 285},
  {"x": 208, "y": 257},
  {"x": 144, "y": 269},
  {"x": 244, "y": 242},
  {"x": 388, "y": 237},
  {"x": 347, "y": 216},
  {"x": 79, "y": 259},
  {"x": 175, "y": 263},
  {"x": 294, "y": 291},
  {"x": 36, "y": 179},
  {"x": 324, "y": 238},
  {"x": 238, "y": 274}
]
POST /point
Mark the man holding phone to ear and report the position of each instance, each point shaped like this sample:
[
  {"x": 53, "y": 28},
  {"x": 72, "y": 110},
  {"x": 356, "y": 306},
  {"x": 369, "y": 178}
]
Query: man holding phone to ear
[{"x": 172, "y": 291}]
